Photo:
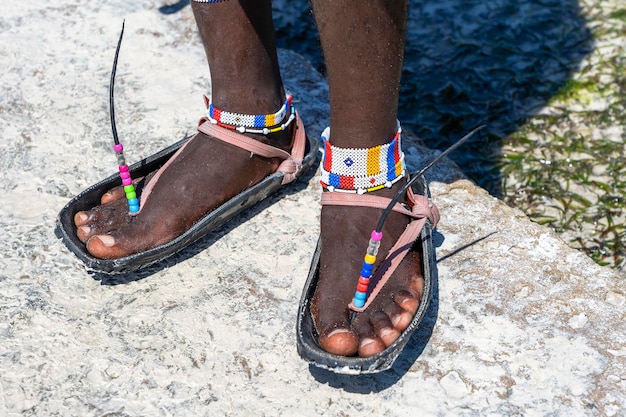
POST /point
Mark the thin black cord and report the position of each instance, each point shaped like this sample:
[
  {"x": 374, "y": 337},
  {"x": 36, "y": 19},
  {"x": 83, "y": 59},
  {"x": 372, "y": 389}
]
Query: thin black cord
[
  {"x": 112, "y": 87},
  {"x": 421, "y": 172}
]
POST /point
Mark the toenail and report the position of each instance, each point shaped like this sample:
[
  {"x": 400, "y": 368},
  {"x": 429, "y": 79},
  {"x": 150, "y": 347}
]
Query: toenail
[
  {"x": 107, "y": 240},
  {"x": 367, "y": 341},
  {"x": 386, "y": 331},
  {"x": 396, "y": 319},
  {"x": 85, "y": 229},
  {"x": 83, "y": 217},
  {"x": 336, "y": 332}
]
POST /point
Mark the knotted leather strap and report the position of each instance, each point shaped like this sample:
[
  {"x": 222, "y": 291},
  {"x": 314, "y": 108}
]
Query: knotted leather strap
[
  {"x": 421, "y": 208},
  {"x": 291, "y": 163},
  {"x": 290, "y": 166}
]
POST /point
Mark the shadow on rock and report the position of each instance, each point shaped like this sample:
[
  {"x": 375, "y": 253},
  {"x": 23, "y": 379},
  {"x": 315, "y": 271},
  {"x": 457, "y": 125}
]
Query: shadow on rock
[
  {"x": 174, "y": 7},
  {"x": 468, "y": 63}
]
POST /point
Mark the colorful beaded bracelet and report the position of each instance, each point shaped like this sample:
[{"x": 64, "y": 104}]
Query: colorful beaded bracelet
[
  {"x": 360, "y": 170},
  {"x": 253, "y": 123}
]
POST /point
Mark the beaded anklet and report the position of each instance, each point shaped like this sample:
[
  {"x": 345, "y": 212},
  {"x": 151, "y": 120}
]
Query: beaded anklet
[
  {"x": 360, "y": 170},
  {"x": 253, "y": 123}
]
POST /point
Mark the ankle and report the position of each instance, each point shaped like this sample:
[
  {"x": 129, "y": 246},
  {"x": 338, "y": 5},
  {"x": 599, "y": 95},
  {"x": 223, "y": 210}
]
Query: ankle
[
  {"x": 248, "y": 100},
  {"x": 282, "y": 139},
  {"x": 275, "y": 128},
  {"x": 361, "y": 170}
]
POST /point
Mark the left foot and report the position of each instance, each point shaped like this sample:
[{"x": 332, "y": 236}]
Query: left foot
[
  {"x": 345, "y": 232},
  {"x": 203, "y": 176}
]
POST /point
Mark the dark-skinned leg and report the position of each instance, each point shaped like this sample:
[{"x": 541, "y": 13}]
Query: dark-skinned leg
[
  {"x": 363, "y": 43},
  {"x": 238, "y": 37}
]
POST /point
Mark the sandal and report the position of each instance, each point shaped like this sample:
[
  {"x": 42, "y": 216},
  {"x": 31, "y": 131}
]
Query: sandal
[
  {"x": 301, "y": 158},
  {"x": 419, "y": 231},
  {"x": 347, "y": 175},
  {"x": 222, "y": 125}
]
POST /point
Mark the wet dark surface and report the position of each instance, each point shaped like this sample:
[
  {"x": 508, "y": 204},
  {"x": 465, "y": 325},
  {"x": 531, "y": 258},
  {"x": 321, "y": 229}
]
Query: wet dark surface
[{"x": 469, "y": 63}]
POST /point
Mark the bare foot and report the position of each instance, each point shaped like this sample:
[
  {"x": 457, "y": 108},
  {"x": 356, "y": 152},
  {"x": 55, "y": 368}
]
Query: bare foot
[
  {"x": 345, "y": 232},
  {"x": 207, "y": 173}
]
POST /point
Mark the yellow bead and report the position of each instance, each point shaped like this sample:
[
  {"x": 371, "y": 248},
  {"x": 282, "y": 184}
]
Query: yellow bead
[
  {"x": 370, "y": 259},
  {"x": 378, "y": 187}
]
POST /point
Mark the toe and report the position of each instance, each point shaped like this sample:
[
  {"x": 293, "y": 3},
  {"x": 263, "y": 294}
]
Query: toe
[
  {"x": 83, "y": 233},
  {"x": 112, "y": 195},
  {"x": 407, "y": 300},
  {"x": 369, "y": 342},
  {"x": 104, "y": 247},
  {"x": 101, "y": 219},
  {"x": 340, "y": 342},
  {"x": 81, "y": 218},
  {"x": 399, "y": 317},
  {"x": 384, "y": 328},
  {"x": 370, "y": 346}
]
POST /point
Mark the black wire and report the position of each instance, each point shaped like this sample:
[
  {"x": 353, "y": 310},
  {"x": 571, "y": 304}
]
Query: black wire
[
  {"x": 421, "y": 172},
  {"x": 112, "y": 87}
]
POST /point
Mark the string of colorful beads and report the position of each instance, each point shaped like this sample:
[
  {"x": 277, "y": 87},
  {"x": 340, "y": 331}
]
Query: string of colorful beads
[
  {"x": 360, "y": 170},
  {"x": 369, "y": 260},
  {"x": 253, "y": 123},
  {"x": 127, "y": 181}
]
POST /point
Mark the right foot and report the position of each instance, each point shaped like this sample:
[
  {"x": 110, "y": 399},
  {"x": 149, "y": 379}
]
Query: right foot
[
  {"x": 207, "y": 173},
  {"x": 345, "y": 232}
]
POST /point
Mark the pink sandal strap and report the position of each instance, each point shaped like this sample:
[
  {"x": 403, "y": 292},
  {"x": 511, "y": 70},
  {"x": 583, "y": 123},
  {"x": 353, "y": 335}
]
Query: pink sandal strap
[
  {"x": 421, "y": 208},
  {"x": 291, "y": 163},
  {"x": 290, "y": 166}
]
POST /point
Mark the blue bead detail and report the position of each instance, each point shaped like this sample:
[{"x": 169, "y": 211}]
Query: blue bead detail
[
  {"x": 133, "y": 205},
  {"x": 359, "y": 299},
  {"x": 358, "y": 303},
  {"x": 259, "y": 121},
  {"x": 349, "y": 162},
  {"x": 367, "y": 269},
  {"x": 358, "y": 295},
  {"x": 333, "y": 179},
  {"x": 391, "y": 163},
  {"x": 211, "y": 110}
]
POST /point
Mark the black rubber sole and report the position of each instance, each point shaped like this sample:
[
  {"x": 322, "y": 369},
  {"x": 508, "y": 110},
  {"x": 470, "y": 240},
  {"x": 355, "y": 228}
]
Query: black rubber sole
[
  {"x": 89, "y": 198},
  {"x": 307, "y": 336}
]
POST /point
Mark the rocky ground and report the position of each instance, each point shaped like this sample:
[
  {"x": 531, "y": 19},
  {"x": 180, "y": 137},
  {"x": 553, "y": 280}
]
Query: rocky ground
[{"x": 521, "y": 323}]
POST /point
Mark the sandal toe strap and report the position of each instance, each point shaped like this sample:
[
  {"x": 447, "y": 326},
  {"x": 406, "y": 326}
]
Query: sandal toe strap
[{"x": 421, "y": 209}]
